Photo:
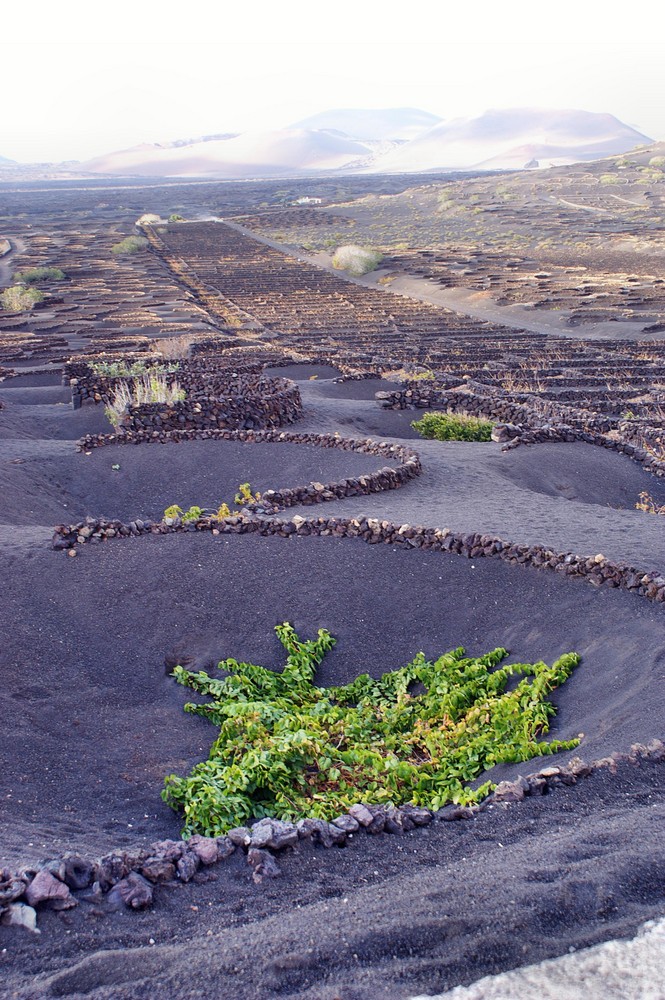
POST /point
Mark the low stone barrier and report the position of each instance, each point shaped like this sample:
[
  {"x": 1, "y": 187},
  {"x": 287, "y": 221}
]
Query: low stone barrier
[
  {"x": 595, "y": 569},
  {"x": 539, "y": 422},
  {"x": 217, "y": 396},
  {"x": 480, "y": 401},
  {"x": 129, "y": 876},
  {"x": 249, "y": 405}
]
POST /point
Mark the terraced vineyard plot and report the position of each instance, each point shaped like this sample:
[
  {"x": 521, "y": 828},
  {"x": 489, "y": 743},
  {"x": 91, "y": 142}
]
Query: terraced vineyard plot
[
  {"x": 105, "y": 301},
  {"x": 590, "y": 294},
  {"x": 302, "y": 306}
]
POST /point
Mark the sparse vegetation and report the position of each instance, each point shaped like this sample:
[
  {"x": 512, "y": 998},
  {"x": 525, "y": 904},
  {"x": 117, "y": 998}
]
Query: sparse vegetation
[
  {"x": 147, "y": 389},
  {"x": 19, "y": 298},
  {"x": 36, "y": 274},
  {"x": 131, "y": 244},
  {"x": 148, "y": 219},
  {"x": 649, "y": 505},
  {"x": 356, "y": 260},
  {"x": 287, "y": 748},
  {"x": 244, "y": 496},
  {"x": 133, "y": 369},
  {"x": 452, "y": 427},
  {"x": 174, "y": 348}
]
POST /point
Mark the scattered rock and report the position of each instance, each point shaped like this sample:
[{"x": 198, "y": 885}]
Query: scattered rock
[{"x": 21, "y": 915}]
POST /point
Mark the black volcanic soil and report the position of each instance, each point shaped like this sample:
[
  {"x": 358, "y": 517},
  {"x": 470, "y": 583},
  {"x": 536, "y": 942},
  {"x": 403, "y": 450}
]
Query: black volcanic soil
[
  {"x": 385, "y": 917},
  {"x": 92, "y": 722},
  {"x": 101, "y": 627},
  {"x": 129, "y": 482}
]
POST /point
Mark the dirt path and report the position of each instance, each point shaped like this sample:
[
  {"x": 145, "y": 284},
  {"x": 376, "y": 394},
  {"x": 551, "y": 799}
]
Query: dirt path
[{"x": 17, "y": 246}]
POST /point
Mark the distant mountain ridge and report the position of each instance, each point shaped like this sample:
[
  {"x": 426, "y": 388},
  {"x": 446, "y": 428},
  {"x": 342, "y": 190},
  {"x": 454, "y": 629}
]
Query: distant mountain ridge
[
  {"x": 509, "y": 139},
  {"x": 250, "y": 154},
  {"x": 395, "y": 124},
  {"x": 389, "y": 140}
]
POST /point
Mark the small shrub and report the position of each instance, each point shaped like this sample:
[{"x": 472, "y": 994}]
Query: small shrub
[
  {"x": 288, "y": 748},
  {"x": 135, "y": 369},
  {"x": 452, "y": 427},
  {"x": 18, "y": 298},
  {"x": 148, "y": 219},
  {"x": 171, "y": 348},
  {"x": 657, "y": 161},
  {"x": 244, "y": 496},
  {"x": 356, "y": 260},
  {"x": 131, "y": 244},
  {"x": 609, "y": 179},
  {"x": 649, "y": 505},
  {"x": 174, "y": 217},
  {"x": 36, "y": 274},
  {"x": 147, "y": 389}
]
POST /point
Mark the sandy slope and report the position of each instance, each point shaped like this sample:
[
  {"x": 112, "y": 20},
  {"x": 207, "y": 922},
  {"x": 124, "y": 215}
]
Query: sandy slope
[{"x": 616, "y": 970}]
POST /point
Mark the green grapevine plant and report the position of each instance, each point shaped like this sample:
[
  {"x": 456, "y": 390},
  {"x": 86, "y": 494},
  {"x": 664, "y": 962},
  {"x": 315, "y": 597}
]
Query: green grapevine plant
[{"x": 287, "y": 748}]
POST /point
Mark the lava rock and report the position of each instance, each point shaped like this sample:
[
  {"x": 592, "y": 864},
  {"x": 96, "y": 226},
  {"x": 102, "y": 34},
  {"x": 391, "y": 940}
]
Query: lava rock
[
  {"x": 274, "y": 833},
  {"x": 187, "y": 866},
  {"x": 78, "y": 872},
  {"x": 263, "y": 864},
  {"x": 134, "y": 891},
  {"x": 158, "y": 870},
  {"x": 46, "y": 888},
  {"x": 362, "y": 814},
  {"x": 21, "y": 915},
  {"x": 205, "y": 848}
]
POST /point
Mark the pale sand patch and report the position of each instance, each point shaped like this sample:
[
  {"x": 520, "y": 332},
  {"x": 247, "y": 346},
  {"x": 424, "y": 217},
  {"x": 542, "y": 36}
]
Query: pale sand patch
[{"x": 616, "y": 970}]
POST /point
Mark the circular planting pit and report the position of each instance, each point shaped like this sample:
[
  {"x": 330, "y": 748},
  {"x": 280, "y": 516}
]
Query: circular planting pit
[
  {"x": 126, "y": 482},
  {"x": 93, "y": 723}
]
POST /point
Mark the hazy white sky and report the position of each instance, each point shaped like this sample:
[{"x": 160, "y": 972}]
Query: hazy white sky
[{"x": 83, "y": 78}]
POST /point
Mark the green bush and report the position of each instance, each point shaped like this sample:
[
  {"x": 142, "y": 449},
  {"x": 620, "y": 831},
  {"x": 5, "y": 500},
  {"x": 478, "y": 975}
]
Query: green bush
[
  {"x": 134, "y": 369},
  {"x": 452, "y": 427},
  {"x": 40, "y": 274},
  {"x": 132, "y": 244},
  {"x": 287, "y": 748},
  {"x": 356, "y": 260},
  {"x": 18, "y": 298}
]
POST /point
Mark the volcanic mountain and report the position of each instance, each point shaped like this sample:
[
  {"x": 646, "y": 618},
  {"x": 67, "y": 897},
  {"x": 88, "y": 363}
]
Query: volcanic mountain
[
  {"x": 512, "y": 139},
  {"x": 251, "y": 154},
  {"x": 378, "y": 124}
]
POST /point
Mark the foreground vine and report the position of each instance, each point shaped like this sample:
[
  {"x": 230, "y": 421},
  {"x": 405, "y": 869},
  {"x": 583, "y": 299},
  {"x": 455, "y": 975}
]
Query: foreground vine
[{"x": 287, "y": 748}]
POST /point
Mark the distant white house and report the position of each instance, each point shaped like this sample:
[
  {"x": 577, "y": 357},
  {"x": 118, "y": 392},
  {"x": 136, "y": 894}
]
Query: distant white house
[{"x": 307, "y": 200}]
